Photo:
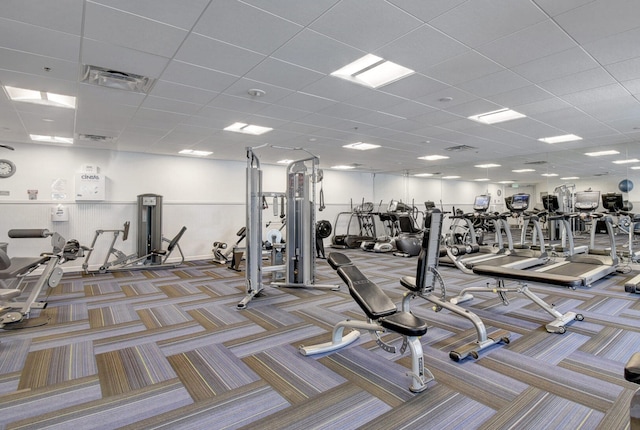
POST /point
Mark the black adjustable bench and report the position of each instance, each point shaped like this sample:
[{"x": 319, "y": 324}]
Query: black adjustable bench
[{"x": 384, "y": 315}]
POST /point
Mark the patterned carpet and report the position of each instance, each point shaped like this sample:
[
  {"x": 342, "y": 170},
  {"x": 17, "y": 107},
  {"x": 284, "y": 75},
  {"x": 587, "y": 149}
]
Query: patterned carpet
[{"x": 169, "y": 349}]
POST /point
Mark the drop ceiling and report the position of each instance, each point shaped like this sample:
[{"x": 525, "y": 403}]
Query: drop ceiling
[{"x": 572, "y": 67}]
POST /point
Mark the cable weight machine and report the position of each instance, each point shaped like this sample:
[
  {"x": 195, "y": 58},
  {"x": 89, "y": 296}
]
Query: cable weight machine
[{"x": 300, "y": 229}]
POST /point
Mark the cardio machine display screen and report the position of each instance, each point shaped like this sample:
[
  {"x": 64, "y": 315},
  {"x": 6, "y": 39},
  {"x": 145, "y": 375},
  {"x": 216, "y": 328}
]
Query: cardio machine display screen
[
  {"x": 587, "y": 200},
  {"x": 481, "y": 203},
  {"x": 612, "y": 201},
  {"x": 519, "y": 202},
  {"x": 550, "y": 202}
]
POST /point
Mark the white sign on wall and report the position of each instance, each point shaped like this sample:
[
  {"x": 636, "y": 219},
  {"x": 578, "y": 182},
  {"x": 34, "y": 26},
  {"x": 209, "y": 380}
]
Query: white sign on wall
[{"x": 90, "y": 186}]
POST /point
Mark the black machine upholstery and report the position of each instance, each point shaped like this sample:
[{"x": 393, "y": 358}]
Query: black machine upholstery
[
  {"x": 373, "y": 301},
  {"x": 632, "y": 369},
  {"x": 528, "y": 275}
]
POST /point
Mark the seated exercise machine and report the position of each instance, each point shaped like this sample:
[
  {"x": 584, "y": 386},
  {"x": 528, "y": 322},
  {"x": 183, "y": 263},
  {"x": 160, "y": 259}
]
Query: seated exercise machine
[
  {"x": 409, "y": 234},
  {"x": 360, "y": 226},
  {"x": 383, "y": 317},
  {"x": 424, "y": 283},
  {"x": 221, "y": 251},
  {"x": 150, "y": 253},
  {"x": 299, "y": 260},
  {"x": 15, "y": 270}
]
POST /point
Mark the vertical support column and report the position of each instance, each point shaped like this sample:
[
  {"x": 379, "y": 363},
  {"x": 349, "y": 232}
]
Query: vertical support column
[{"x": 149, "y": 226}]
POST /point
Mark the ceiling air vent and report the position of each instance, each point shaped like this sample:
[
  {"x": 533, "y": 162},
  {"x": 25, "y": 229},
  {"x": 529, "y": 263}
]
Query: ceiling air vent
[
  {"x": 536, "y": 162},
  {"x": 114, "y": 79},
  {"x": 601, "y": 174},
  {"x": 94, "y": 138},
  {"x": 460, "y": 148}
]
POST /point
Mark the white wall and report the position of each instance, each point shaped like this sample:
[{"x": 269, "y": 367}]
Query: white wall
[{"x": 207, "y": 196}]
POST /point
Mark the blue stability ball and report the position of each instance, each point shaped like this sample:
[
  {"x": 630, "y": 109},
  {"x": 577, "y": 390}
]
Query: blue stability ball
[{"x": 625, "y": 185}]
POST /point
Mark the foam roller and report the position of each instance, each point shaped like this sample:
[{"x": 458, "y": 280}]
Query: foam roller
[{"x": 21, "y": 233}]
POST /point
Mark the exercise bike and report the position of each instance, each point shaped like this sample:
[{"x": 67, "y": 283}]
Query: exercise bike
[
  {"x": 221, "y": 251},
  {"x": 15, "y": 270}
]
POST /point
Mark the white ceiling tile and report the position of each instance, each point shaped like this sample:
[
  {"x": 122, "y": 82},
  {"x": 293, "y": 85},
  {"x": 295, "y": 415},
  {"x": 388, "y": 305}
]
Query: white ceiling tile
[
  {"x": 580, "y": 81},
  {"x": 244, "y": 105},
  {"x": 557, "y": 65},
  {"x": 473, "y": 107},
  {"x": 272, "y": 93},
  {"x": 494, "y": 83},
  {"x": 246, "y": 26},
  {"x": 613, "y": 109},
  {"x": 409, "y": 109},
  {"x": 426, "y": 10},
  {"x": 38, "y": 40},
  {"x": 422, "y": 48},
  {"x": 302, "y": 13},
  {"x": 594, "y": 95},
  {"x": 536, "y": 41},
  {"x": 281, "y": 112},
  {"x": 183, "y": 93},
  {"x": 66, "y": 16},
  {"x": 625, "y": 70},
  {"x": 213, "y": 54},
  {"x": 555, "y": 7},
  {"x": 182, "y": 14},
  {"x": 599, "y": 19},
  {"x": 95, "y": 94},
  {"x": 317, "y": 52},
  {"x": 334, "y": 88},
  {"x": 477, "y": 22},
  {"x": 541, "y": 106},
  {"x": 375, "y": 100},
  {"x": 365, "y": 24},
  {"x": 633, "y": 86},
  {"x": 305, "y": 102},
  {"x": 36, "y": 82},
  {"x": 131, "y": 31},
  {"x": 285, "y": 75},
  {"x": 616, "y": 48},
  {"x": 464, "y": 67},
  {"x": 414, "y": 87},
  {"x": 197, "y": 77},
  {"x": 519, "y": 96},
  {"x": 171, "y": 105},
  {"x": 35, "y": 64}
]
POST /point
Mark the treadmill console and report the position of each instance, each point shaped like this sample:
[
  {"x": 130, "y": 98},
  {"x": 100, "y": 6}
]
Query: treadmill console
[
  {"x": 612, "y": 202},
  {"x": 550, "y": 203},
  {"x": 481, "y": 203},
  {"x": 587, "y": 201},
  {"x": 517, "y": 202}
]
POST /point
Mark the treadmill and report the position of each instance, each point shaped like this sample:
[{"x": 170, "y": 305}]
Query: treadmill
[
  {"x": 587, "y": 267},
  {"x": 520, "y": 258}
]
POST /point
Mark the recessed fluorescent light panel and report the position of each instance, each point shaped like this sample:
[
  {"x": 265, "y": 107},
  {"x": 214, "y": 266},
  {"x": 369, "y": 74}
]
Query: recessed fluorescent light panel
[
  {"x": 451, "y": 177},
  {"x": 423, "y": 175},
  {"x": 195, "y": 152},
  {"x": 372, "y": 71},
  {"x": 40, "y": 97},
  {"x": 342, "y": 167},
  {"x": 635, "y": 168},
  {"x": 497, "y": 116},
  {"x": 506, "y": 182},
  {"x": 569, "y": 178},
  {"x": 548, "y": 175},
  {"x": 560, "y": 139},
  {"x": 631, "y": 160},
  {"x": 361, "y": 146},
  {"x": 482, "y": 179},
  {"x": 523, "y": 170},
  {"x": 601, "y": 153},
  {"x": 51, "y": 139},
  {"x": 285, "y": 161},
  {"x": 241, "y": 127},
  {"x": 433, "y": 157},
  {"x": 487, "y": 166}
]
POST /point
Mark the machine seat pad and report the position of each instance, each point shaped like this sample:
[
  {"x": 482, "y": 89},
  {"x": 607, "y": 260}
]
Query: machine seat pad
[
  {"x": 527, "y": 275},
  {"x": 21, "y": 265},
  {"x": 632, "y": 369},
  {"x": 405, "y": 323},
  {"x": 370, "y": 297},
  {"x": 9, "y": 293},
  {"x": 410, "y": 283},
  {"x": 338, "y": 259}
]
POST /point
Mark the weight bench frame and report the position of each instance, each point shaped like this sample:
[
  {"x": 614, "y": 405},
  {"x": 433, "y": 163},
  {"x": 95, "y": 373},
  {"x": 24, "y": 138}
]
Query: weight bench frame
[{"x": 383, "y": 316}]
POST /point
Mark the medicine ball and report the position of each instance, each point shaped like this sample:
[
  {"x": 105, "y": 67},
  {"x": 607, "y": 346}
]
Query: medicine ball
[{"x": 625, "y": 185}]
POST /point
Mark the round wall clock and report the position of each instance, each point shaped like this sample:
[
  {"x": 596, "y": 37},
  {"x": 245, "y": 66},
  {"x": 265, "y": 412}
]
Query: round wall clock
[{"x": 7, "y": 168}]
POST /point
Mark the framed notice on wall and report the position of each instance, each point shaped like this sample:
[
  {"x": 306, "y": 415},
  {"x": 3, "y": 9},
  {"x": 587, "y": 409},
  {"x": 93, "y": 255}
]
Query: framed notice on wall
[{"x": 90, "y": 186}]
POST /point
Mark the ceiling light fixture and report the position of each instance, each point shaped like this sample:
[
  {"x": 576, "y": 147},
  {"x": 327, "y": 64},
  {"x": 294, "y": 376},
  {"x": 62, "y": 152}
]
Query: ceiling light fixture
[
  {"x": 549, "y": 175},
  {"x": 433, "y": 157},
  {"x": 343, "y": 167},
  {"x": 635, "y": 168},
  {"x": 423, "y": 175},
  {"x": 523, "y": 170},
  {"x": 285, "y": 161},
  {"x": 195, "y": 152},
  {"x": 241, "y": 127},
  {"x": 506, "y": 182},
  {"x": 362, "y": 146},
  {"x": 569, "y": 178},
  {"x": 482, "y": 179},
  {"x": 40, "y": 97},
  {"x": 372, "y": 71},
  {"x": 51, "y": 139},
  {"x": 629, "y": 161},
  {"x": 487, "y": 166},
  {"x": 601, "y": 153},
  {"x": 451, "y": 177},
  {"x": 497, "y": 116},
  {"x": 255, "y": 92},
  {"x": 117, "y": 80},
  {"x": 560, "y": 139}
]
